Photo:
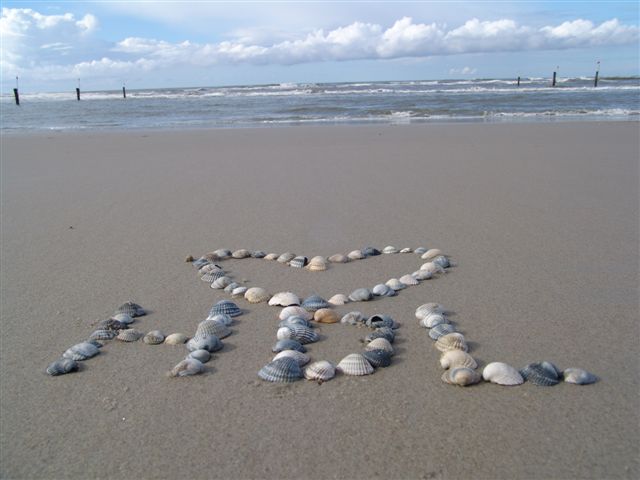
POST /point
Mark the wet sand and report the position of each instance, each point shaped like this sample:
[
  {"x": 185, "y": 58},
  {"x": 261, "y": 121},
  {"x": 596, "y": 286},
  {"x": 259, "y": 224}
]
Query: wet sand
[{"x": 541, "y": 221}]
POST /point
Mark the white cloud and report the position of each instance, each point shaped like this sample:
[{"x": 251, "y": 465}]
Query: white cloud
[{"x": 462, "y": 71}]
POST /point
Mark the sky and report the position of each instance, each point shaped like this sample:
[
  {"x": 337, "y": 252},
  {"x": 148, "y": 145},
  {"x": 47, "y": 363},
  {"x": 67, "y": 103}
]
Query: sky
[{"x": 154, "y": 44}]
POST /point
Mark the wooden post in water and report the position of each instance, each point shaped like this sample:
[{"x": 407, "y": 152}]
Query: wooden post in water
[
  {"x": 16, "y": 95},
  {"x": 124, "y": 92},
  {"x": 518, "y": 80},
  {"x": 78, "y": 90},
  {"x": 553, "y": 82},
  {"x": 595, "y": 81}
]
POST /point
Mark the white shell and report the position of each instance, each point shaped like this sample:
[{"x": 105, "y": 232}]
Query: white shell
[
  {"x": 220, "y": 283},
  {"x": 176, "y": 339},
  {"x": 189, "y": 366},
  {"x": 395, "y": 284},
  {"x": 457, "y": 358},
  {"x": 271, "y": 256},
  {"x": 238, "y": 292},
  {"x": 408, "y": 280},
  {"x": 451, "y": 341},
  {"x": 422, "y": 275},
  {"x": 433, "y": 319},
  {"x": 320, "y": 371},
  {"x": 502, "y": 374},
  {"x": 299, "y": 357},
  {"x": 295, "y": 310},
  {"x": 284, "y": 299},
  {"x": 380, "y": 344},
  {"x": 427, "y": 308},
  {"x": 356, "y": 255},
  {"x": 355, "y": 364},
  {"x": 317, "y": 264},
  {"x": 462, "y": 376},
  {"x": 431, "y": 253},
  {"x": 406, "y": 250},
  {"x": 123, "y": 318},
  {"x": 286, "y": 257},
  {"x": 389, "y": 249},
  {"x": 431, "y": 268},
  {"x": 338, "y": 299},
  {"x": 353, "y": 318},
  {"x": 256, "y": 295},
  {"x": 338, "y": 258}
]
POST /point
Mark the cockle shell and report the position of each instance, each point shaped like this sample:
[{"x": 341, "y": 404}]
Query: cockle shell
[
  {"x": 209, "y": 267},
  {"x": 314, "y": 302},
  {"x": 420, "y": 250},
  {"x": 212, "y": 327},
  {"x": 427, "y": 308},
  {"x": 231, "y": 287},
  {"x": 578, "y": 376},
  {"x": 241, "y": 253},
  {"x": 377, "y": 357},
  {"x": 389, "y": 249},
  {"x": 543, "y": 374},
  {"x": 176, "y": 339},
  {"x": 431, "y": 268},
  {"x": 380, "y": 344},
  {"x": 301, "y": 358},
  {"x": 294, "y": 320},
  {"x": 441, "y": 261},
  {"x": 502, "y": 374},
  {"x": 360, "y": 295},
  {"x": 442, "y": 329},
  {"x": 62, "y": 366},
  {"x": 382, "y": 290},
  {"x": 355, "y": 364},
  {"x": 317, "y": 264},
  {"x": 422, "y": 275},
  {"x": 187, "y": 367},
  {"x": 433, "y": 320},
  {"x": 210, "y": 343},
  {"x": 295, "y": 311},
  {"x": 370, "y": 251},
  {"x": 383, "y": 332},
  {"x": 154, "y": 337},
  {"x": 406, "y": 250},
  {"x": 451, "y": 341},
  {"x": 222, "y": 318},
  {"x": 288, "y": 344},
  {"x": 102, "y": 334},
  {"x": 271, "y": 256},
  {"x": 286, "y": 257},
  {"x": 123, "y": 318},
  {"x": 200, "y": 355},
  {"x": 282, "y": 370},
  {"x": 325, "y": 315},
  {"x": 355, "y": 255},
  {"x": 284, "y": 299},
  {"x": 222, "y": 253},
  {"x": 111, "y": 324},
  {"x": 225, "y": 306},
  {"x": 297, "y": 332},
  {"x": 320, "y": 371},
  {"x": 379, "y": 320},
  {"x": 395, "y": 284},
  {"x": 431, "y": 253},
  {"x": 339, "y": 299},
  {"x": 81, "y": 351},
  {"x": 238, "y": 292},
  {"x": 199, "y": 262},
  {"x": 462, "y": 376},
  {"x": 339, "y": 258},
  {"x": 258, "y": 254},
  {"x": 130, "y": 308},
  {"x": 222, "y": 282},
  {"x": 457, "y": 358},
  {"x": 129, "y": 335},
  {"x": 212, "y": 276},
  {"x": 298, "y": 262},
  {"x": 95, "y": 343},
  {"x": 353, "y": 318},
  {"x": 408, "y": 280}
]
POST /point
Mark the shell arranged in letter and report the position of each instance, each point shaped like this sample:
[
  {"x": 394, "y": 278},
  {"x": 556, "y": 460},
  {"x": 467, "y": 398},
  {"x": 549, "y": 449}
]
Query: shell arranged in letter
[
  {"x": 461, "y": 376},
  {"x": 176, "y": 339},
  {"x": 282, "y": 370},
  {"x": 325, "y": 315},
  {"x": 187, "y": 367},
  {"x": 578, "y": 376},
  {"x": 62, "y": 367},
  {"x": 543, "y": 374},
  {"x": 457, "y": 358},
  {"x": 320, "y": 371},
  {"x": 355, "y": 364},
  {"x": 284, "y": 299},
  {"x": 295, "y": 311},
  {"x": 502, "y": 374}
]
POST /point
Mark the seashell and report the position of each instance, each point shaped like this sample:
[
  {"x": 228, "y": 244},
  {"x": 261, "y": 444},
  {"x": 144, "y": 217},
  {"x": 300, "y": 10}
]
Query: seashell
[
  {"x": 297, "y": 332},
  {"x": 223, "y": 318},
  {"x": 325, "y": 315},
  {"x": 338, "y": 299},
  {"x": 408, "y": 280},
  {"x": 210, "y": 343},
  {"x": 353, "y": 318},
  {"x": 284, "y": 299},
  {"x": 420, "y": 250},
  {"x": 300, "y": 358},
  {"x": 377, "y": 358},
  {"x": 176, "y": 339},
  {"x": 422, "y": 275},
  {"x": 214, "y": 257},
  {"x": 578, "y": 376},
  {"x": 502, "y": 374},
  {"x": 378, "y": 321},
  {"x": 461, "y": 376},
  {"x": 124, "y": 318},
  {"x": 258, "y": 254},
  {"x": 380, "y": 344},
  {"x": 111, "y": 324},
  {"x": 209, "y": 267},
  {"x": 102, "y": 334},
  {"x": 295, "y": 310},
  {"x": 288, "y": 344},
  {"x": 457, "y": 358},
  {"x": 154, "y": 337},
  {"x": 389, "y": 249},
  {"x": 286, "y": 257},
  {"x": 431, "y": 268},
  {"x": 543, "y": 374},
  {"x": 395, "y": 284},
  {"x": 360, "y": 295},
  {"x": 441, "y": 261},
  {"x": 431, "y": 253},
  {"x": 355, "y": 255},
  {"x": 406, "y": 250},
  {"x": 294, "y": 320},
  {"x": 382, "y": 290},
  {"x": 241, "y": 253},
  {"x": 95, "y": 343},
  {"x": 62, "y": 366},
  {"x": 384, "y": 332},
  {"x": 222, "y": 282},
  {"x": 298, "y": 262},
  {"x": 452, "y": 341},
  {"x": 212, "y": 276},
  {"x": 189, "y": 259},
  {"x": 282, "y": 370},
  {"x": 317, "y": 264},
  {"x": 231, "y": 287},
  {"x": 314, "y": 302},
  {"x": 432, "y": 320},
  {"x": 200, "y": 262},
  {"x": 187, "y": 367},
  {"x": 224, "y": 306},
  {"x": 428, "y": 308},
  {"x": 212, "y": 327},
  {"x": 200, "y": 355},
  {"x": 271, "y": 256},
  {"x": 370, "y": 252},
  {"x": 339, "y": 258},
  {"x": 129, "y": 335},
  {"x": 222, "y": 253},
  {"x": 355, "y": 364},
  {"x": 238, "y": 292},
  {"x": 320, "y": 371},
  {"x": 81, "y": 351},
  {"x": 130, "y": 308},
  {"x": 442, "y": 329}
]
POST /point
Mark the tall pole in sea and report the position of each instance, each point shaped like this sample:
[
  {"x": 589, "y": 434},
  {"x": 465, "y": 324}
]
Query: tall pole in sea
[
  {"x": 16, "y": 94},
  {"x": 595, "y": 81}
]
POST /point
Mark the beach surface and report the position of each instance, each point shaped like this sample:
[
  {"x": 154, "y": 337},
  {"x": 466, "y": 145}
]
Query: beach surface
[{"x": 540, "y": 221}]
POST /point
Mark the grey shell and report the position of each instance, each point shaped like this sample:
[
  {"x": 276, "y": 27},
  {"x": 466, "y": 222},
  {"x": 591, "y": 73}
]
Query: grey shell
[
  {"x": 433, "y": 320},
  {"x": 370, "y": 251},
  {"x": 129, "y": 335},
  {"x": 541, "y": 373},
  {"x": 223, "y": 318},
  {"x": 189, "y": 366},
  {"x": 382, "y": 290},
  {"x": 241, "y": 253},
  {"x": 288, "y": 344},
  {"x": 212, "y": 276},
  {"x": 123, "y": 318},
  {"x": 225, "y": 306},
  {"x": 131, "y": 308},
  {"x": 102, "y": 334},
  {"x": 231, "y": 287},
  {"x": 282, "y": 370},
  {"x": 360, "y": 295},
  {"x": 384, "y": 332},
  {"x": 379, "y": 321},
  {"x": 200, "y": 355},
  {"x": 353, "y": 318},
  {"x": 315, "y": 302},
  {"x": 286, "y": 257},
  {"x": 578, "y": 376},
  {"x": 200, "y": 262},
  {"x": 355, "y": 364},
  {"x": 294, "y": 320},
  {"x": 422, "y": 275},
  {"x": 301, "y": 358},
  {"x": 378, "y": 357},
  {"x": 212, "y": 327},
  {"x": 298, "y": 332},
  {"x": 210, "y": 343},
  {"x": 222, "y": 253},
  {"x": 420, "y": 250},
  {"x": 441, "y": 261},
  {"x": 258, "y": 254},
  {"x": 154, "y": 337},
  {"x": 111, "y": 324},
  {"x": 62, "y": 366},
  {"x": 81, "y": 351},
  {"x": 439, "y": 330},
  {"x": 222, "y": 282},
  {"x": 298, "y": 262}
]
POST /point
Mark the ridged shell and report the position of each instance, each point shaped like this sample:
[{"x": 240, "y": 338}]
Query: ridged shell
[
  {"x": 209, "y": 267},
  {"x": 231, "y": 287},
  {"x": 320, "y": 371},
  {"x": 130, "y": 308},
  {"x": 225, "y": 306},
  {"x": 419, "y": 250},
  {"x": 200, "y": 262},
  {"x": 256, "y": 295},
  {"x": 222, "y": 253},
  {"x": 62, "y": 366},
  {"x": 422, "y": 275},
  {"x": 212, "y": 327},
  {"x": 355, "y": 255},
  {"x": 123, "y": 318},
  {"x": 578, "y": 376},
  {"x": 222, "y": 318},
  {"x": 353, "y": 318},
  {"x": 433, "y": 320},
  {"x": 271, "y": 256},
  {"x": 187, "y": 367},
  {"x": 427, "y": 308},
  {"x": 81, "y": 351},
  {"x": 441, "y": 261},
  {"x": 355, "y": 364},
  {"x": 408, "y": 280},
  {"x": 389, "y": 249},
  {"x": 298, "y": 262},
  {"x": 339, "y": 299},
  {"x": 502, "y": 374},
  {"x": 439, "y": 330},
  {"x": 258, "y": 254},
  {"x": 238, "y": 292},
  {"x": 176, "y": 339},
  {"x": 382, "y": 290},
  {"x": 314, "y": 302},
  {"x": 461, "y": 376},
  {"x": 300, "y": 333},
  {"x": 339, "y": 258},
  {"x": 294, "y": 320},
  {"x": 406, "y": 250},
  {"x": 383, "y": 332},
  {"x": 544, "y": 374},
  {"x": 295, "y": 311},
  {"x": 395, "y": 284},
  {"x": 129, "y": 335},
  {"x": 325, "y": 315},
  {"x": 154, "y": 337},
  {"x": 431, "y": 253},
  {"x": 200, "y": 355},
  {"x": 457, "y": 358},
  {"x": 284, "y": 299},
  {"x": 360, "y": 295},
  {"x": 210, "y": 343},
  {"x": 377, "y": 358},
  {"x": 222, "y": 282},
  {"x": 301, "y": 358},
  {"x": 431, "y": 268},
  {"x": 102, "y": 334},
  {"x": 111, "y": 324},
  {"x": 241, "y": 253},
  {"x": 288, "y": 344},
  {"x": 380, "y": 344},
  {"x": 286, "y": 257},
  {"x": 283, "y": 370},
  {"x": 212, "y": 276},
  {"x": 370, "y": 251},
  {"x": 451, "y": 341},
  {"x": 317, "y": 264},
  {"x": 379, "y": 321}
]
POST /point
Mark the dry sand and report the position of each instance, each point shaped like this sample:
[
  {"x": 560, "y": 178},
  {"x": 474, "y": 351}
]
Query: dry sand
[{"x": 541, "y": 220}]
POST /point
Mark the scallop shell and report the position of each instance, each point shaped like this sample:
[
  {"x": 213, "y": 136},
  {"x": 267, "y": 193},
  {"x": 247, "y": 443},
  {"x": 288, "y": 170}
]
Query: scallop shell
[
  {"x": 431, "y": 253},
  {"x": 380, "y": 344},
  {"x": 288, "y": 344},
  {"x": 427, "y": 308},
  {"x": 130, "y": 308},
  {"x": 154, "y": 337},
  {"x": 123, "y": 318},
  {"x": 339, "y": 299},
  {"x": 395, "y": 284},
  {"x": 271, "y": 256},
  {"x": 210, "y": 343},
  {"x": 222, "y": 253},
  {"x": 297, "y": 332},
  {"x": 377, "y": 357},
  {"x": 225, "y": 306},
  {"x": 298, "y": 262},
  {"x": 370, "y": 251},
  {"x": 212, "y": 276},
  {"x": 451, "y": 341},
  {"x": 241, "y": 253},
  {"x": 389, "y": 249},
  {"x": 212, "y": 327},
  {"x": 431, "y": 268},
  {"x": 282, "y": 370},
  {"x": 462, "y": 376},
  {"x": 102, "y": 334},
  {"x": 238, "y": 292},
  {"x": 441, "y": 261},
  {"x": 457, "y": 358},
  {"x": 339, "y": 258},
  {"x": 284, "y": 299},
  {"x": 81, "y": 351},
  {"x": 543, "y": 374},
  {"x": 187, "y": 367},
  {"x": 502, "y": 374},
  {"x": 286, "y": 257},
  {"x": 317, "y": 264},
  {"x": 383, "y": 332},
  {"x": 422, "y": 275},
  {"x": 378, "y": 321},
  {"x": 325, "y": 315},
  {"x": 222, "y": 318},
  {"x": 578, "y": 376},
  {"x": 420, "y": 250},
  {"x": 111, "y": 324},
  {"x": 222, "y": 282},
  {"x": 355, "y": 255},
  {"x": 408, "y": 280},
  {"x": 314, "y": 302},
  {"x": 258, "y": 254},
  {"x": 320, "y": 371},
  {"x": 442, "y": 329},
  {"x": 353, "y": 318},
  {"x": 295, "y": 310},
  {"x": 62, "y": 366},
  {"x": 382, "y": 290},
  {"x": 355, "y": 364},
  {"x": 406, "y": 250},
  {"x": 433, "y": 320},
  {"x": 294, "y": 320},
  {"x": 176, "y": 339},
  {"x": 301, "y": 358},
  {"x": 360, "y": 295},
  {"x": 200, "y": 355},
  {"x": 129, "y": 335}
]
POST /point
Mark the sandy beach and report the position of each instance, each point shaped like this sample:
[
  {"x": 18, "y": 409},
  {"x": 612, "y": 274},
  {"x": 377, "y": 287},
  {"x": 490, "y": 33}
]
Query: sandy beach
[{"x": 540, "y": 220}]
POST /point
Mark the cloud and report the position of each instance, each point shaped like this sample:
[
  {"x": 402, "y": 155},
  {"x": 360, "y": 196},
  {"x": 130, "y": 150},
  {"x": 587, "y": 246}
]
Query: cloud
[{"x": 462, "y": 71}]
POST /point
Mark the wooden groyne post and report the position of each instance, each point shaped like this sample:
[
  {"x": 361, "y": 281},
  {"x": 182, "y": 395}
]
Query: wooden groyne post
[
  {"x": 124, "y": 92},
  {"x": 78, "y": 90},
  {"x": 595, "y": 80},
  {"x": 16, "y": 94},
  {"x": 553, "y": 82},
  {"x": 518, "y": 81}
]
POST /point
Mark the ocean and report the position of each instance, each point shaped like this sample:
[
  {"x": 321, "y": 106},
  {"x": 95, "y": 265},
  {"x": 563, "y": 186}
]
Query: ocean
[{"x": 401, "y": 102}]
